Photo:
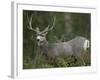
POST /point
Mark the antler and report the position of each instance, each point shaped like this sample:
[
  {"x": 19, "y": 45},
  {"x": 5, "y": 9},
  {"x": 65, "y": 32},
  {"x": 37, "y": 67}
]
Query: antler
[
  {"x": 49, "y": 29},
  {"x": 30, "y": 23}
]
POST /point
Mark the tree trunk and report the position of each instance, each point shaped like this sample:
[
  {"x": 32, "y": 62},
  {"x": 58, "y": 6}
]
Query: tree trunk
[{"x": 68, "y": 23}]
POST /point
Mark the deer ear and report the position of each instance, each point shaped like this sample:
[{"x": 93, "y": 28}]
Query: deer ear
[{"x": 45, "y": 33}]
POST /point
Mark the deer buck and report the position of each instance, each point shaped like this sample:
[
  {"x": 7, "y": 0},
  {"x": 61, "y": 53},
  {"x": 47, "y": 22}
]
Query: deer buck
[{"x": 72, "y": 47}]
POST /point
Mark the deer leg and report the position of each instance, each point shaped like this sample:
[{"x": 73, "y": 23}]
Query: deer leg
[
  {"x": 82, "y": 60},
  {"x": 47, "y": 58}
]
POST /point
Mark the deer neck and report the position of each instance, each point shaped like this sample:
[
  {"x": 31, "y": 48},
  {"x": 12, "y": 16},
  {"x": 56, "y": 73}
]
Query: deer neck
[
  {"x": 44, "y": 43},
  {"x": 44, "y": 46}
]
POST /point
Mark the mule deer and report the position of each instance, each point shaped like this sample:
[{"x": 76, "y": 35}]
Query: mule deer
[{"x": 52, "y": 50}]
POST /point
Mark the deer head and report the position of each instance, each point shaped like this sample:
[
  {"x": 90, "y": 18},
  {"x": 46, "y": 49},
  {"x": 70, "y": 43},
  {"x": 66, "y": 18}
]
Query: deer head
[{"x": 41, "y": 35}]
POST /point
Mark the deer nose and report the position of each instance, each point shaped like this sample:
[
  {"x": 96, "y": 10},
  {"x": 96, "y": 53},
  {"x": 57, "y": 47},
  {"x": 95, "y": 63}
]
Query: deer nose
[{"x": 38, "y": 39}]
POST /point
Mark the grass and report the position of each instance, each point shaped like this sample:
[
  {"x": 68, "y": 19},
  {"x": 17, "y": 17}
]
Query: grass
[{"x": 40, "y": 61}]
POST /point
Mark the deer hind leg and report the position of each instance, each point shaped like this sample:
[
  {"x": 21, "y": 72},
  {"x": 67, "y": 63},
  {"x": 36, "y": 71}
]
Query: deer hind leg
[
  {"x": 83, "y": 62},
  {"x": 82, "y": 56},
  {"x": 80, "y": 60}
]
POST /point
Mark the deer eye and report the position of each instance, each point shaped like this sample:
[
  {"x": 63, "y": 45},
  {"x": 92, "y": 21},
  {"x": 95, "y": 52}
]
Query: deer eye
[{"x": 42, "y": 35}]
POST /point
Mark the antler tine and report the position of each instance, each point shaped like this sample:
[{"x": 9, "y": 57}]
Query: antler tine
[
  {"x": 30, "y": 23},
  {"x": 48, "y": 29},
  {"x": 53, "y": 23}
]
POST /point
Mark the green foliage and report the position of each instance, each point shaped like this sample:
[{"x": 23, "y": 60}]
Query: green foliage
[
  {"x": 27, "y": 63},
  {"x": 40, "y": 61},
  {"x": 67, "y": 26},
  {"x": 61, "y": 62}
]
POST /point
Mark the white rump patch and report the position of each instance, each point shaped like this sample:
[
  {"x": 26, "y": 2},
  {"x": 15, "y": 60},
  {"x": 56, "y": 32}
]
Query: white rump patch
[{"x": 86, "y": 45}]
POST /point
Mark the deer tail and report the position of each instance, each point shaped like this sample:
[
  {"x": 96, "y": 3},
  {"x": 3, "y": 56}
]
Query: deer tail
[{"x": 86, "y": 45}]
